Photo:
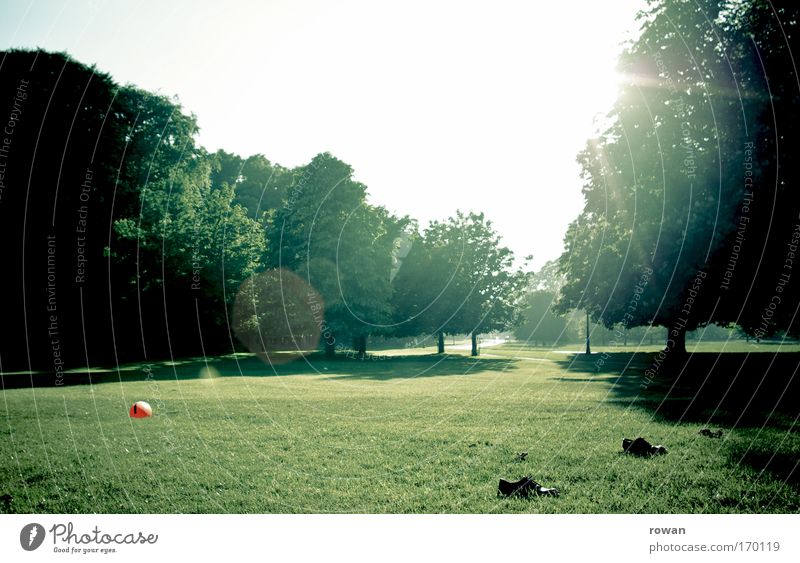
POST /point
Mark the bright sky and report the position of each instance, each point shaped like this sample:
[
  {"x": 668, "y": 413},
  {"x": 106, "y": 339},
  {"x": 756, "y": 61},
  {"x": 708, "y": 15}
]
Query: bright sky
[{"x": 438, "y": 105}]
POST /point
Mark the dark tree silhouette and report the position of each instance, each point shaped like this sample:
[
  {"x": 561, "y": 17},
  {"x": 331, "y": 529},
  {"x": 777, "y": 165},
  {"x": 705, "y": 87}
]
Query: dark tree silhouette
[{"x": 688, "y": 215}]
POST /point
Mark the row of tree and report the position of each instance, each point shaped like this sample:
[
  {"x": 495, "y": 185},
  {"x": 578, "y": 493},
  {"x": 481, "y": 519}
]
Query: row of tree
[{"x": 124, "y": 240}]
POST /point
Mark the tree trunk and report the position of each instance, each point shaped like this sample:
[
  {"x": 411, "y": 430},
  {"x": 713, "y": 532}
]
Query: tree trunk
[
  {"x": 588, "y": 337},
  {"x": 474, "y": 344},
  {"x": 361, "y": 350},
  {"x": 678, "y": 338},
  {"x": 441, "y": 343},
  {"x": 330, "y": 348}
]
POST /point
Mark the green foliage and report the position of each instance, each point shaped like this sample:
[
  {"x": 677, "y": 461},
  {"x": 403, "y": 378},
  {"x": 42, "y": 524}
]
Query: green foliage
[
  {"x": 205, "y": 226},
  {"x": 60, "y": 156},
  {"x": 668, "y": 180},
  {"x": 458, "y": 279},
  {"x": 260, "y": 185},
  {"x": 275, "y": 312},
  {"x": 181, "y": 244},
  {"x": 539, "y": 324},
  {"x": 180, "y": 224},
  {"x": 547, "y": 278},
  {"x": 160, "y": 156},
  {"x": 329, "y": 234}
]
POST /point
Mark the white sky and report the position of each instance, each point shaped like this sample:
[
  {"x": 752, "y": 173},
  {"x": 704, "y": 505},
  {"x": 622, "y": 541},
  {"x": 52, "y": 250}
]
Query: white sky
[{"x": 438, "y": 105}]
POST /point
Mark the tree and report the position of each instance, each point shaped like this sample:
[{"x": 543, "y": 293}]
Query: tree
[
  {"x": 538, "y": 322},
  {"x": 457, "y": 279},
  {"x": 341, "y": 245},
  {"x": 260, "y": 186},
  {"x": 547, "y": 278},
  {"x": 277, "y": 315},
  {"x": 179, "y": 246},
  {"x": 756, "y": 265},
  {"x": 195, "y": 246},
  {"x": 59, "y": 156},
  {"x": 666, "y": 183}
]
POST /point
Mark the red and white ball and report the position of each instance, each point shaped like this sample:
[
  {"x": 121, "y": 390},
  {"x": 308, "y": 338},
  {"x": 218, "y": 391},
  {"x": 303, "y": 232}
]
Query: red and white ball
[{"x": 141, "y": 409}]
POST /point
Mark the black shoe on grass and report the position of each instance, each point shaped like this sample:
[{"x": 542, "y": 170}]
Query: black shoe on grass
[
  {"x": 524, "y": 488},
  {"x": 641, "y": 447}
]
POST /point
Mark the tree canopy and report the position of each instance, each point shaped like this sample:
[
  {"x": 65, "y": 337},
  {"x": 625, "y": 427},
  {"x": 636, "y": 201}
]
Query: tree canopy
[
  {"x": 680, "y": 226},
  {"x": 457, "y": 279}
]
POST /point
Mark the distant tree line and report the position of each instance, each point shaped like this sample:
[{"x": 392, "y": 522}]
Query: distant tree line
[
  {"x": 124, "y": 240},
  {"x": 541, "y": 325}
]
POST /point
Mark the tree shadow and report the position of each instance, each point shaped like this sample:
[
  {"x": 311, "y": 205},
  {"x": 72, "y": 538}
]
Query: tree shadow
[
  {"x": 343, "y": 366},
  {"x": 711, "y": 388},
  {"x": 783, "y": 466},
  {"x": 756, "y": 394},
  {"x": 428, "y": 365}
]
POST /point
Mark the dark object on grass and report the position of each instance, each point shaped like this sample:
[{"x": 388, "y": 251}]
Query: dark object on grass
[
  {"x": 711, "y": 433},
  {"x": 641, "y": 447},
  {"x": 524, "y": 488},
  {"x": 522, "y": 456}
]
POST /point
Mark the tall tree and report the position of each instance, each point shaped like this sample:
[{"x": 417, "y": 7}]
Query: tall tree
[
  {"x": 341, "y": 245},
  {"x": 147, "y": 287},
  {"x": 458, "y": 279},
  {"x": 671, "y": 180},
  {"x": 194, "y": 247},
  {"x": 757, "y": 268},
  {"x": 58, "y": 160}
]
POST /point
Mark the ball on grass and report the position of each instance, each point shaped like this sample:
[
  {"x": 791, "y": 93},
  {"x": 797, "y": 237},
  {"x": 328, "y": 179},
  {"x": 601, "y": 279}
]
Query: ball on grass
[{"x": 141, "y": 409}]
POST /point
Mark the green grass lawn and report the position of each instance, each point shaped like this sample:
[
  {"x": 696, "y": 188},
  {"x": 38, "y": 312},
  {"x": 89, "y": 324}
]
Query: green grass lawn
[{"x": 415, "y": 433}]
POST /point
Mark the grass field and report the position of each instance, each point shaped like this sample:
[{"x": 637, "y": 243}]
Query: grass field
[{"x": 416, "y": 433}]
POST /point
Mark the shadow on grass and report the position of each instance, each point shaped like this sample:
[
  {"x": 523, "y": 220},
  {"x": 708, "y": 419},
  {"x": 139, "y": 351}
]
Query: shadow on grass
[
  {"x": 379, "y": 368},
  {"x": 758, "y": 394},
  {"x": 782, "y": 465},
  {"x": 725, "y": 389},
  {"x": 430, "y": 365}
]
